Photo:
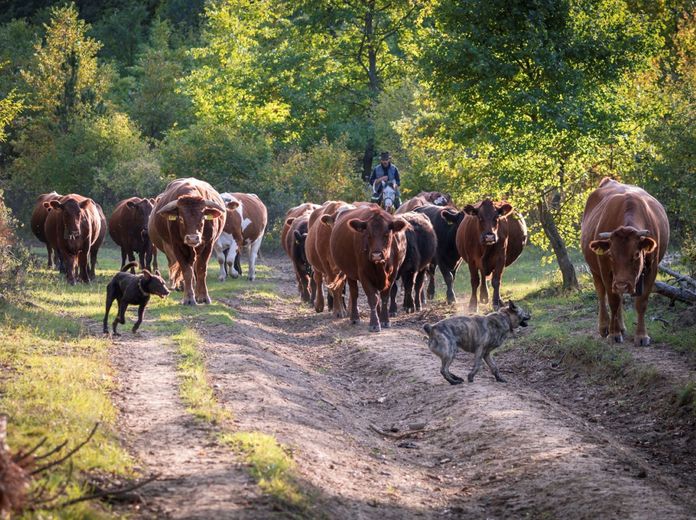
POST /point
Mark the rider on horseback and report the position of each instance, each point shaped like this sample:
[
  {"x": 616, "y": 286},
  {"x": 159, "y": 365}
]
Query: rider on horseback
[{"x": 385, "y": 171}]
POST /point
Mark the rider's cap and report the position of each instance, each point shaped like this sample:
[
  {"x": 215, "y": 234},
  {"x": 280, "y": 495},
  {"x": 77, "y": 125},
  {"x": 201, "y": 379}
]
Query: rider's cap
[{"x": 384, "y": 156}]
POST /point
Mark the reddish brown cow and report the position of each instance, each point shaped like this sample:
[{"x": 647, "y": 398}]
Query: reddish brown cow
[
  {"x": 625, "y": 233},
  {"x": 128, "y": 229},
  {"x": 294, "y": 243},
  {"x": 38, "y": 220},
  {"x": 187, "y": 219},
  {"x": 368, "y": 244},
  {"x": 295, "y": 212},
  {"x": 75, "y": 227},
  {"x": 318, "y": 251},
  {"x": 245, "y": 226},
  {"x": 436, "y": 197},
  {"x": 489, "y": 239}
]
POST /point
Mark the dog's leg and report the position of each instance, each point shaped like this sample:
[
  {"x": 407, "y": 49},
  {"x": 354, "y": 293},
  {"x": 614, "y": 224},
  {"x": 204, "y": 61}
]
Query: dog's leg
[
  {"x": 477, "y": 364},
  {"x": 141, "y": 312},
  {"x": 109, "y": 301},
  {"x": 494, "y": 368},
  {"x": 446, "y": 351},
  {"x": 120, "y": 316}
]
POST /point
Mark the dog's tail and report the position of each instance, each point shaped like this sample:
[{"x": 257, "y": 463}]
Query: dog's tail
[
  {"x": 128, "y": 266},
  {"x": 427, "y": 328}
]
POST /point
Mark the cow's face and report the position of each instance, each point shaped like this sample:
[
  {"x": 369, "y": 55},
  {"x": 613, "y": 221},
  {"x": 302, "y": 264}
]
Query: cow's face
[
  {"x": 72, "y": 215},
  {"x": 452, "y": 217},
  {"x": 625, "y": 248},
  {"x": 378, "y": 233},
  {"x": 488, "y": 215},
  {"x": 439, "y": 199},
  {"x": 142, "y": 209},
  {"x": 189, "y": 214},
  {"x": 300, "y": 237}
]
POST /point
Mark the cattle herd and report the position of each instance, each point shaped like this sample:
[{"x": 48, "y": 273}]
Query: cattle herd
[{"x": 625, "y": 233}]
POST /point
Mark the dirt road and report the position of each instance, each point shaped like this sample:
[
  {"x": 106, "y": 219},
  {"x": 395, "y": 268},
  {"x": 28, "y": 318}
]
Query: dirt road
[{"x": 344, "y": 401}]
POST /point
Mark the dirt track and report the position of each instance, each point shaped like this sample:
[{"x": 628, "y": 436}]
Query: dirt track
[{"x": 322, "y": 387}]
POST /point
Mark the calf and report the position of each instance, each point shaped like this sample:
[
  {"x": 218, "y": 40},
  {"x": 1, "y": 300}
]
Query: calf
[
  {"x": 294, "y": 244},
  {"x": 130, "y": 289},
  {"x": 368, "y": 244},
  {"x": 625, "y": 233},
  {"x": 421, "y": 245},
  {"x": 489, "y": 239}
]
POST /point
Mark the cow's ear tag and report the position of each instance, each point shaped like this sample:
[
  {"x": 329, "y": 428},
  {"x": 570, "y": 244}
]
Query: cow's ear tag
[
  {"x": 171, "y": 217},
  {"x": 599, "y": 251},
  {"x": 297, "y": 242},
  {"x": 209, "y": 217}
]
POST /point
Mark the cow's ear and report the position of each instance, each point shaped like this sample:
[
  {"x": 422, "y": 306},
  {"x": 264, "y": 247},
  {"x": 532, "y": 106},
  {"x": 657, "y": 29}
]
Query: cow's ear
[
  {"x": 158, "y": 273},
  {"x": 152, "y": 200},
  {"x": 449, "y": 215},
  {"x": 328, "y": 220},
  {"x": 211, "y": 213},
  {"x": 146, "y": 274},
  {"x": 600, "y": 246},
  {"x": 232, "y": 205},
  {"x": 289, "y": 221},
  {"x": 504, "y": 210},
  {"x": 398, "y": 225},
  {"x": 357, "y": 224},
  {"x": 85, "y": 203},
  {"x": 470, "y": 210},
  {"x": 54, "y": 204},
  {"x": 298, "y": 236},
  {"x": 130, "y": 204},
  {"x": 647, "y": 244}
]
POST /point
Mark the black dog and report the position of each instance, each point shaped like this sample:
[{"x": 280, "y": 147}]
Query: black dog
[{"x": 132, "y": 289}]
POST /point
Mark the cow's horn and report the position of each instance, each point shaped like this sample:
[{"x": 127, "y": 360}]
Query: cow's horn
[
  {"x": 212, "y": 204},
  {"x": 605, "y": 235},
  {"x": 643, "y": 233},
  {"x": 169, "y": 206}
]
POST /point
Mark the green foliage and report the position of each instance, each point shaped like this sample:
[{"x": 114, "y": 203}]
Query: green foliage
[{"x": 121, "y": 31}]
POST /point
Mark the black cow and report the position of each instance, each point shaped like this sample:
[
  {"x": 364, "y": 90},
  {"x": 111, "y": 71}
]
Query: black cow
[
  {"x": 421, "y": 245},
  {"x": 445, "y": 222}
]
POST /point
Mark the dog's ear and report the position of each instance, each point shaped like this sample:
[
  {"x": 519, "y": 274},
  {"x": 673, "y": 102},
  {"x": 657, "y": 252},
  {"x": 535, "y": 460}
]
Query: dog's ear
[
  {"x": 147, "y": 274},
  {"x": 427, "y": 328},
  {"x": 511, "y": 305},
  {"x": 158, "y": 273}
]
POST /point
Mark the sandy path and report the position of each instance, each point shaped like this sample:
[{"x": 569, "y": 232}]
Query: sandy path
[
  {"x": 495, "y": 451},
  {"x": 199, "y": 478}
]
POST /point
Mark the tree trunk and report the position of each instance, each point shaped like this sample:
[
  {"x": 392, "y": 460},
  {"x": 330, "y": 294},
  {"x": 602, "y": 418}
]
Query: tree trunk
[
  {"x": 374, "y": 84},
  {"x": 570, "y": 279}
]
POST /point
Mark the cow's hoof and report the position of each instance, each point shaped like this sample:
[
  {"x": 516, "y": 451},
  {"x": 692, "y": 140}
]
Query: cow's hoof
[
  {"x": 470, "y": 378},
  {"x": 222, "y": 278},
  {"x": 204, "y": 300},
  {"x": 392, "y": 314},
  {"x": 340, "y": 315},
  {"x": 355, "y": 321},
  {"x": 188, "y": 301},
  {"x": 252, "y": 278},
  {"x": 618, "y": 338},
  {"x": 116, "y": 334},
  {"x": 641, "y": 341},
  {"x": 375, "y": 328},
  {"x": 604, "y": 331},
  {"x": 386, "y": 325}
]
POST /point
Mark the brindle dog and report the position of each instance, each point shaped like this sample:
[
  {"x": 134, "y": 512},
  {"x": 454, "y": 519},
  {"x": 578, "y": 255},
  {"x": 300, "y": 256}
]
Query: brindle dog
[
  {"x": 132, "y": 289},
  {"x": 476, "y": 334}
]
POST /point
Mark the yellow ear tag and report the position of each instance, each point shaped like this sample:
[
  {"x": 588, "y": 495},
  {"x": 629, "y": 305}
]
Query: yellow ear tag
[
  {"x": 209, "y": 217},
  {"x": 171, "y": 217},
  {"x": 600, "y": 252}
]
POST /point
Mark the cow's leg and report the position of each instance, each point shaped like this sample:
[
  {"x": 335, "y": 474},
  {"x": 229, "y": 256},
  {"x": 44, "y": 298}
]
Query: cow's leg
[
  {"x": 238, "y": 262},
  {"x": 142, "y": 258},
  {"x": 233, "y": 260},
  {"x": 83, "y": 266},
  {"x": 189, "y": 279},
  {"x": 409, "y": 279},
  {"x": 475, "y": 281},
  {"x": 483, "y": 296},
  {"x": 131, "y": 258},
  {"x": 50, "y": 259},
  {"x": 319, "y": 300},
  {"x": 603, "y": 321},
  {"x": 392, "y": 297},
  {"x": 419, "y": 296},
  {"x": 353, "y": 301},
  {"x": 92, "y": 272},
  {"x": 221, "y": 258},
  {"x": 154, "y": 258},
  {"x": 373, "y": 302},
  {"x": 384, "y": 307},
  {"x": 477, "y": 364},
  {"x": 312, "y": 289},
  {"x": 338, "y": 303},
  {"x": 124, "y": 256},
  {"x": 253, "y": 253},
  {"x": 494, "y": 368},
  {"x": 495, "y": 281},
  {"x": 616, "y": 317},
  {"x": 431, "y": 281},
  {"x": 641, "y": 337},
  {"x": 449, "y": 282},
  {"x": 200, "y": 270},
  {"x": 70, "y": 262}
]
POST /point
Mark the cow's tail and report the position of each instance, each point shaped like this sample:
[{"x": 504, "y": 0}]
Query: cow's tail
[
  {"x": 128, "y": 266},
  {"x": 337, "y": 282}
]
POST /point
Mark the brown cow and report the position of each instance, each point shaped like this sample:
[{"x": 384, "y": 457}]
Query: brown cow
[
  {"x": 489, "y": 239},
  {"x": 75, "y": 227},
  {"x": 245, "y": 226},
  {"x": 128, "y": 229},
  {"x": 318, "y": 251},
  {"x": 625, "y": 233},
  {"x": 436, "y": 197},
  {"x": 369, "y": 244},
  {"x": 38, "y": 219},
  {"x": 187, "y": 219},
  {"x": 293, "y": 238}
]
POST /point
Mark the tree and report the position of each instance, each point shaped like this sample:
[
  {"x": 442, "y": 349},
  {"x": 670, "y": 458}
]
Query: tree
[{"x": 539, "y": 81}]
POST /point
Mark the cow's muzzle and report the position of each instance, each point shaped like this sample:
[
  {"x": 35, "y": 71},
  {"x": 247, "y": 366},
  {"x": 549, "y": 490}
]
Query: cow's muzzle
[
  {"x": 622, "y": 288},
  {"x": 377, "y": 257},
  {"x": 489, "y": 238},
  {"x": 71, "y": 235},
  {"x": 192, "y": 240}
]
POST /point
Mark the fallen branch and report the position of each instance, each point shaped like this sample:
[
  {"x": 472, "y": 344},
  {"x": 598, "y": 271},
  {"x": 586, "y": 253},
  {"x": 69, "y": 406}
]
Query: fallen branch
[
  {"x": 675, "y": 293},
  {"x": 67, "y": 455},
  {"x": 402, "y": 435},
  {"x": 108, "y": 492},
  {"x": 678, "y": 277}
]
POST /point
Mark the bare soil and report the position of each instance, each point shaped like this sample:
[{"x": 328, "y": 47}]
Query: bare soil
[{"x": 548, "y": 444}]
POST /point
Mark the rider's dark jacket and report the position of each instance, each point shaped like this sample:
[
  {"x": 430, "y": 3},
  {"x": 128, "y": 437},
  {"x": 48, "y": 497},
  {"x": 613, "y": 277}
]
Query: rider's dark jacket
[{"x": 390, "y": 171}]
